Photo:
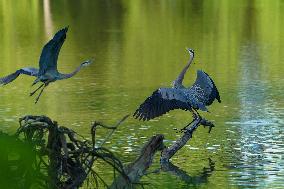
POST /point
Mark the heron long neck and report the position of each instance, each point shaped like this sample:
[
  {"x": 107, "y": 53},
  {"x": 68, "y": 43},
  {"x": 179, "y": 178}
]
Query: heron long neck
[
  {"x": 66, "y": 76},
  {"x": 179, "y": 79}
]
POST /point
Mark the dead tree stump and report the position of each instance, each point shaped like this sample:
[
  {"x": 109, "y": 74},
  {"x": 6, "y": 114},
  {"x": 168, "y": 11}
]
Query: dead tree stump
[{"x": 137, "y": 169}]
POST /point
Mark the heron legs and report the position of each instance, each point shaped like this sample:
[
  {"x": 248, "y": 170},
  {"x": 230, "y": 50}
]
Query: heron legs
[
  {"x": 32, "y": 93},
  {"x": 37, "y": 98},
  {"x": 40, "y": 93},
  {"x": 196, "y": 116}
]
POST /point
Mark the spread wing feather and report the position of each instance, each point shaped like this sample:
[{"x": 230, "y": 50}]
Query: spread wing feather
[
  {"x": 160, "y": 102},
  {"x": 203, "y": 92},
  {"x": 50, "y": 52},
  {"x": 27, "y": 71}
]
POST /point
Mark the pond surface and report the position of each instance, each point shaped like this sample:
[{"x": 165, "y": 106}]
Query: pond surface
[{"x": 140, "y": 46}]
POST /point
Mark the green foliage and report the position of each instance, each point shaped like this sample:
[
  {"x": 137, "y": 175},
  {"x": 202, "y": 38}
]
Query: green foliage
[{"x": 17, "y": 164}]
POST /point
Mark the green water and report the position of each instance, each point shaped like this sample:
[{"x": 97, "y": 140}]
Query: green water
[{"x": 140, "y": 46}]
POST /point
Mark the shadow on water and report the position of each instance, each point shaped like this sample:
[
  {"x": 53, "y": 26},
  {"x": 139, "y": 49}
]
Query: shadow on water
[{"x": 190, "y": 181}]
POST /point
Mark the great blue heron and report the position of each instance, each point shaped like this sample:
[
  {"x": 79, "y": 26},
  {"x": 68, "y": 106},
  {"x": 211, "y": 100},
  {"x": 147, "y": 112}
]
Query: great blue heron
[
  {"x": 47, "y": 71},
  {"x": 201, "y": 94}
]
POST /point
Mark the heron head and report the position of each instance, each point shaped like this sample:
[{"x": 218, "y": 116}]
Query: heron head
[
  {"x": 191, "y": 51},
  {"x": 87, "y": 63}
]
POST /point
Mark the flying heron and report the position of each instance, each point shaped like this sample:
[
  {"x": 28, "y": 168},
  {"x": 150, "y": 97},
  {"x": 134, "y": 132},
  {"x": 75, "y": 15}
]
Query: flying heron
[
  {"x": 201, "y": 94},
  {"x": 47, "y": 71}
]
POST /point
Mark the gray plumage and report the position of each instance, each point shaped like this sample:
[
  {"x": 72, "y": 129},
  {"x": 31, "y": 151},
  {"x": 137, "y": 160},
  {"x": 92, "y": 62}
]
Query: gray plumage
[
  {"x": 201, "y": 94},
  {"x": 27, "y": 71},
  {"x": 47, "y": 71}
]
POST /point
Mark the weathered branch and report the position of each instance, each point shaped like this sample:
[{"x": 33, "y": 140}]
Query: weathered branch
[
  {"x": 167, "y": 153},
  {"x": 108, "y": 127},
  {"x": 137, "y": 169}
]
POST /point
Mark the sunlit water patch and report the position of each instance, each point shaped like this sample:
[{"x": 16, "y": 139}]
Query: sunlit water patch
[{"x": 259, "y": 152}]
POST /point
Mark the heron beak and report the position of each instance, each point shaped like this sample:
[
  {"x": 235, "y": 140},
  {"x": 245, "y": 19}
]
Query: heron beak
[
  {"x": 190, "y": 51},
  {"x": 87, "y": 62}
]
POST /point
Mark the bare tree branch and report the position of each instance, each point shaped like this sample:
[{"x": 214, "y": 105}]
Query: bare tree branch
[{"x": 168, "y": 152}]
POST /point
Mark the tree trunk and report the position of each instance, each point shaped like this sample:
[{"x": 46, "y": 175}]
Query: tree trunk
[{"x": 137, "y": 169}]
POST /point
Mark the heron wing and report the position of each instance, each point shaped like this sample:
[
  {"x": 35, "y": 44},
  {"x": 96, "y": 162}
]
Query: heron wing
[
  {"x": 203, "y": 92},
  {"x": 160, "y": 102},
  {"x": 50, "y": 52},
  {"x": 27, "y": 71}
]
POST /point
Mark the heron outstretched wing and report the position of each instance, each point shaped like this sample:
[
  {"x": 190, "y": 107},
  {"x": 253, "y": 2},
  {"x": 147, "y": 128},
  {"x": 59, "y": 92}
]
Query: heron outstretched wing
[
  {"x": 27, "y": 71},
  {"x": 160, "y": 102},
  {"x": 203, "y": 92},
  {"x": 50, "y": 52}
]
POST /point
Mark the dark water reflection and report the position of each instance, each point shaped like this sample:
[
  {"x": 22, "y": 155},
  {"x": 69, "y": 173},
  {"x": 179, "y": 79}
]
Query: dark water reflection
[{"x": 139, "y": 46}]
